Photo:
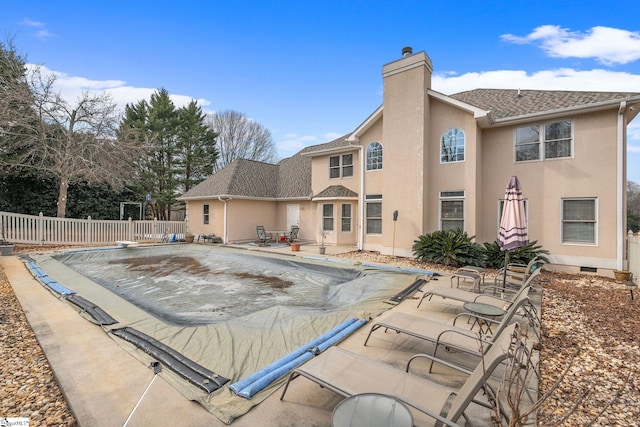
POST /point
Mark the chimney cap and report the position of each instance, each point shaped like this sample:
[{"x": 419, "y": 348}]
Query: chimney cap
[{"x": 407, "y": 51}]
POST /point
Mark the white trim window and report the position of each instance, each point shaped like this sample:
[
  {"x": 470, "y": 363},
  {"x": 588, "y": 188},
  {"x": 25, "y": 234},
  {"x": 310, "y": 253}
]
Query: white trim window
[
  {"x": 346, "y": 218},
  {"x": 452, "y": 146},
  {"x": 341, "y": 166},
  {"x": 374, "y": 156},
  {"x": 373, "y": 209},
  {"x": 327, "y": 216},
  {"x": 550, "y": 140},
  {"x": 452, "y": 210},
  {"x": 580, "y": 220},
  {"x": 205, "y": 214}
]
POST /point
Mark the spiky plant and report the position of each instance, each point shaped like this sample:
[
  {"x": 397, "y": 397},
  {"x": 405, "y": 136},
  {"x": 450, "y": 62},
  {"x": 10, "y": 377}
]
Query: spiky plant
[
  {"x": 522, "y": 255},
  {"x": 448, "y": 247}
]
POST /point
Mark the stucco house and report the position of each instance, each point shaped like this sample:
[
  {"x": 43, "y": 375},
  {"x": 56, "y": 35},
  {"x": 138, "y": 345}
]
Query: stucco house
[{"x": 442, "y": 161}]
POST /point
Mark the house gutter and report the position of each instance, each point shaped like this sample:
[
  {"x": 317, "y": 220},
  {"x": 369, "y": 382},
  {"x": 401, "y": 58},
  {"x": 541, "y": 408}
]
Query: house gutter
[
  {"x": 621, "y": 232},
  {"x": 224, "y": 231}
]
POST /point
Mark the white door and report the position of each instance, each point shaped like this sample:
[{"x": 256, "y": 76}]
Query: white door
[{"x": 293, "y": 216}]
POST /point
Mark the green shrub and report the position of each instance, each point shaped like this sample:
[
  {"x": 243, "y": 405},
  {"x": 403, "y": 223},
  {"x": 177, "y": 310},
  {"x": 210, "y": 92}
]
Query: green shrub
[
  {"x": 495, "y": 256},
  {"x": 447, "y": 247}
]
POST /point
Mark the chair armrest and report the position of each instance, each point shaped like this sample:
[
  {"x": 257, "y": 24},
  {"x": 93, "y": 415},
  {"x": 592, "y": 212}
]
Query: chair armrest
[
  {"x": 475, "y": 316},
  {"x": 437, "y": 360}
]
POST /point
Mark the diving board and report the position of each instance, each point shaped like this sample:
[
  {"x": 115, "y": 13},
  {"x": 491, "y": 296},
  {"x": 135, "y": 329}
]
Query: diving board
[{"x": 126, "y": 243}]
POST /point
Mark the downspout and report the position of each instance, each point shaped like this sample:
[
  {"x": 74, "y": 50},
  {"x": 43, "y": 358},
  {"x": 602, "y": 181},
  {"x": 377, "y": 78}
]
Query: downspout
[
  {"x": 620, "y": 232},
  {"x": 224, "y": 226},
  {"x": 361, "y": 201}
]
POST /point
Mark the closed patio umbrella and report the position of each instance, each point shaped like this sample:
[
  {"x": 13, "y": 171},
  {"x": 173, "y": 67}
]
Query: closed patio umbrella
[{"x": 513, "y": 224}]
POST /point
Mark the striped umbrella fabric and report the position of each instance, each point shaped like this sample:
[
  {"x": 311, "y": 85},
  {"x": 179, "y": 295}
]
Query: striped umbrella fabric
[{"x": 513, "y": 224}]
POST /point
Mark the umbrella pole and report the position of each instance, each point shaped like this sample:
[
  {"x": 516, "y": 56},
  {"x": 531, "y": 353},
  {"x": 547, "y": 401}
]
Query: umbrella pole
[{"x": 506, "y": 263}]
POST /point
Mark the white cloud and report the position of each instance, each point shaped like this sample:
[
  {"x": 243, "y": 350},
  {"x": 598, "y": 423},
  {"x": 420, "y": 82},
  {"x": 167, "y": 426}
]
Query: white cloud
[
  {"x": 292, "y": 143},
  {"x": 72, "y": 87},
  {"x": 606, "y": 45},
  {"x": 332, "y": 135},
  {"x": 559, "y": 79},
  {"x": 40, "y": 31}
]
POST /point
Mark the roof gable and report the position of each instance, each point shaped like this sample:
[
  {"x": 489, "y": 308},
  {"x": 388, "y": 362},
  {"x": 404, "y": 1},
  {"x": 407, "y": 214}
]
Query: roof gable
[{"x": 336, "y": 192}]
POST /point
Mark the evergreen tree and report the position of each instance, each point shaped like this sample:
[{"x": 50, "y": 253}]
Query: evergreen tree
[
  {"x": 181, "y": 148},
  {"x": 197, "y": 143}
]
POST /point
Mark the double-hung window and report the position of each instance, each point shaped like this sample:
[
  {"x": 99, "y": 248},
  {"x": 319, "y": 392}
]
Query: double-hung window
[
  {"x": 373, "y": 207},
  {"x": 327, "y": 217},
  {"x": 544, "y": 141},
  {"x": 346, "y": 217},
  {"x": 205, "y": 214},
  {"x": 579, "y": 220},
  {"x": 452, "y": 210},
  {"x": 452, "y": 146},
  {"x": 341, "y": 166}
]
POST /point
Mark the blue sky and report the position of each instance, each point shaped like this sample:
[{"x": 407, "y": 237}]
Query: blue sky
[{"x": 311, "y": 71}]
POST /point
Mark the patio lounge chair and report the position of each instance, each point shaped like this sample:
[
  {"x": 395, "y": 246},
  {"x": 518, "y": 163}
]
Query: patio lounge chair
[
  {"x": 348, "y": 374},
  {"x": 516, "y": 273},
  {"x": 466, "y": 296},
  {"x": 263, "y": 237},
  {"x": 450, "y": 336}
]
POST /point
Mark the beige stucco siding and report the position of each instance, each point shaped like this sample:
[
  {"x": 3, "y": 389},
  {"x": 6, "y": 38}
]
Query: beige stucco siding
[
  {"x": 457, "y": 175},
  {"x": 406, "y": 112},
  {"x": 195, "y": 217},
  {"x": 307, "y": 218},
  {"x": 590, "y": 173},
  {"x": 320, "y": 181}
]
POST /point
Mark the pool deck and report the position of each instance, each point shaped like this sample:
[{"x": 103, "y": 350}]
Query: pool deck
[{"x": 103, "y": 383}]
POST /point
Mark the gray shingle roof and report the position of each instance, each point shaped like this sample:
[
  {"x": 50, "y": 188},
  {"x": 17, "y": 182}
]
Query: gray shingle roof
[
  {"x": 503, "y": 103},
  {"x": 291, "y": 178},
  {"x": 336, "y": 191},
  {"x": 336, "y": 143}
]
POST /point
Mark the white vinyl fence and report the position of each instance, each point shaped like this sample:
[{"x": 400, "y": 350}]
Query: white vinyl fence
[
  {"x": 20, "y": 228},
  {"x": 633, "y": 253}
]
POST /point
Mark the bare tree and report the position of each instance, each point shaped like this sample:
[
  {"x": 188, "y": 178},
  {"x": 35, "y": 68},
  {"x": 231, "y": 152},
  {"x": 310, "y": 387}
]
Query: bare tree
[
  {"x": 72, "y": 141},
  {"x": 239, "y": 137}
]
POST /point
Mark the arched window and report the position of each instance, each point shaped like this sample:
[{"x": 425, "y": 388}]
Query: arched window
[
  {"x": 452, "y": 146},
  {"x": 374, "y": 156}
]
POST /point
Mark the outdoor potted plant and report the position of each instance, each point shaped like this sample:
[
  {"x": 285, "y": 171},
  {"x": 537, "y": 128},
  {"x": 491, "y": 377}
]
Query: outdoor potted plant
[
  {"x": 323, "y": 248},
  {"x": 295, "y": 246},
  {"x": 622, "y": 275},
  {"x": 188, "y": 238}
]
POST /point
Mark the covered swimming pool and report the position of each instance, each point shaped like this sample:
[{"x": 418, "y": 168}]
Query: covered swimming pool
[{"x": 230, "y": 311}]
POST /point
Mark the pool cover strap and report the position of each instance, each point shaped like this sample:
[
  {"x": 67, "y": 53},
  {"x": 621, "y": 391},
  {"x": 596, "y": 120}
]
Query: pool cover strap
[
  {"x": 196, "y": 374},
  {"x": 398, "y": 298},
  {"x": 99, "y": 315}
]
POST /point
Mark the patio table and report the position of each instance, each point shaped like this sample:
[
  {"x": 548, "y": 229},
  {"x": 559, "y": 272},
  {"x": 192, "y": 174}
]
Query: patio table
[
  {"x": 481, "y": 312},
  {"x": 371, "y": 410}
]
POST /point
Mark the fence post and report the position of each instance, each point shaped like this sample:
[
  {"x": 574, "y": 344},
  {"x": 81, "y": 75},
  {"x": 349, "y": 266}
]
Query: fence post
[
  {"x": 633, "y": 254},
  {"x": 130, "y": 234},
  {"x": 39, "y": 230},
  {"x": 89, "y": 237}
]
